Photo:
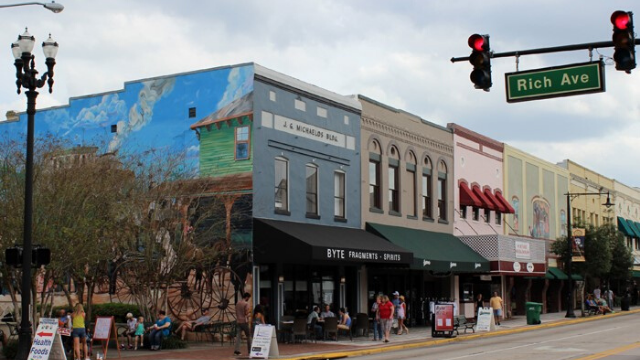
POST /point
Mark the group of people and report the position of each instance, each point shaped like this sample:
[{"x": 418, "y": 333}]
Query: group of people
[
  {"x": 600, "y": 301},
  {"x": 135, "y": 331},
  {"x": 316, "y": 318},
  {"x": 495, "y": 303},
  {"x": 385, "y": 312}
]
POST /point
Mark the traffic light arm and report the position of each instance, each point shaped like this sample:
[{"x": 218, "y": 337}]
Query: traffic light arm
[{"x": 575, "y": 47}]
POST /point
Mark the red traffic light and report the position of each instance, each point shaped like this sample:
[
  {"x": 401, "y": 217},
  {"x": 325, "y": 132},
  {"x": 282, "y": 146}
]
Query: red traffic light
[
  {"x": 478, "y": 42},
  {"x": 620, "y": 19}
]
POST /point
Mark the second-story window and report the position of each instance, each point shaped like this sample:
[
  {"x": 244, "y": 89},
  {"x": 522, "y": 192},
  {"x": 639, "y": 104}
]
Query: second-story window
[
  {"x": 442, "y": 191},
  {"x": 427, "y": 207},
  {"x": 281, "y": 185},
  {"x": 394, "y": 187},
  {"x": 338, "y": 195},
  {"x": 312, "y": 190},
  {"x": 242, "y": 143}
]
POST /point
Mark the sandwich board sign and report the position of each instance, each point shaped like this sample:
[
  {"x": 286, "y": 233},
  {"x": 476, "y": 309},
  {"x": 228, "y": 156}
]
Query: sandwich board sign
[
  {"x": 264, "y": 344},
  {"x": 104, "y": 328},
  {"x": 486, "y": 321},
  {"x": 47, "y": 343}
]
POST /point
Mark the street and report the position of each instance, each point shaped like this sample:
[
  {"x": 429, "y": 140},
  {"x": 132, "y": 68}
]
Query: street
[{"x": 614, "y": 338}]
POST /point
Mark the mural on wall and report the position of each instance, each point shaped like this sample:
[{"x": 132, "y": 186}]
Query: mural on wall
[
  {"x": 540, "y": 221},
  {"x": 515, "y": 203},
  {"x": 146, "y": 115}
]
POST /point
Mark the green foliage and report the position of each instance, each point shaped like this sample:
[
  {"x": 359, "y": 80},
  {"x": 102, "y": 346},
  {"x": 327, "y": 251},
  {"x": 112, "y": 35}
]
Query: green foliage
[
  {"x": 10, "y": 350},
  {"x": 606, "y": 254},
  {"x": 173, "y": 342},
  {"x": 117, "y": 310}
]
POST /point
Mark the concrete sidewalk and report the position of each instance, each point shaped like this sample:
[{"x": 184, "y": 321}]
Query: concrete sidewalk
[{"x": 417, "y": 337}]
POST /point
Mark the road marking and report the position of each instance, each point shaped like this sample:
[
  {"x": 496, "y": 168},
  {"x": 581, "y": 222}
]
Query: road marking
[
  {"x": 534, "y": 344},
  {"x": 612, "y": 351}
]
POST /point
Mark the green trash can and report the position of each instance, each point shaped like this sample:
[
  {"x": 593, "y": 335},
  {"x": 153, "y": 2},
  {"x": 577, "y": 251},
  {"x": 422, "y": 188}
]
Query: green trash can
[{"x": 533, "y": 313}]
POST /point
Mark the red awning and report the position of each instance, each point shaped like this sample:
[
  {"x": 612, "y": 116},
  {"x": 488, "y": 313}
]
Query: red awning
[
  {"x": 467, "y": 198},
  {"x": 486, "y": 203},
  {"x": 496, "y": 202},
  {"x": 505, "y": 203}
]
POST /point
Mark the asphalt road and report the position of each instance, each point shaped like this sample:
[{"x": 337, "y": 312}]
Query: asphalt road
[{"x": 614, "y": 338}]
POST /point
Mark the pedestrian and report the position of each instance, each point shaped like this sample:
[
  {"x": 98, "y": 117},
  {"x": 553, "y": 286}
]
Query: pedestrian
[
  {"x": 159, "y": 330},
  {"x": 243, "y": 315},
  {"x": 192, "y": 325},
  {"x": 79, "y": 333},
  {"x": 139, "y": 334},
  {"x": 496, "y": 305},
  {"x": 258, "y": 316},
  {"x": 596, "y": 293},
  {"x": 386, "y": 316},
  {"x": 396, "y": 305},
  {"x": 479, "y": 304},
  {"x": 130, "y": 332},
  {"x": 375, "y": 315},
  {"x": 402, "y": 315},
  {"x": 610, "y": 296}
]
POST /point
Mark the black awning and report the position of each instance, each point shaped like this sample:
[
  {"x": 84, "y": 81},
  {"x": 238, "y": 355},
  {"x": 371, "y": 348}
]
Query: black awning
[{"x": 289, "y": 242}]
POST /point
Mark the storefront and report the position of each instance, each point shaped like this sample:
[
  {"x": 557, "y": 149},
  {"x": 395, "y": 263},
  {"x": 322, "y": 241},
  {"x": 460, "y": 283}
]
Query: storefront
[
  {"x": 516, "y": 265},
  {"x": 438, "y": 259},
  {"x": 302, "y": 265}
]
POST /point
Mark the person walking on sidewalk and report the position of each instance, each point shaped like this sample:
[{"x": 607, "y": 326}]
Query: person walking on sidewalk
[
  {"x": 386, "y": 316},
  {"x": 479, "y": 304},
  {"x": 243, "y": 313},
  {"x": 375, "y": 314},
  {"x": 402, "y": 315},
  {"x": 496, "y": 305}
]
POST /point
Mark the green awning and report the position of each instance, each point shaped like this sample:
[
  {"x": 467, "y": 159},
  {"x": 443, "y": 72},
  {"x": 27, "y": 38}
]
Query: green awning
[
  {"x": 634, "y": 227},
  {"x": 577, "y": 277},
  {"x": 624, "y": 227},
  {"x": 635, "y": 274},
  {"x": 557, "y": 273},
  {"x": 433, "y": 251}
]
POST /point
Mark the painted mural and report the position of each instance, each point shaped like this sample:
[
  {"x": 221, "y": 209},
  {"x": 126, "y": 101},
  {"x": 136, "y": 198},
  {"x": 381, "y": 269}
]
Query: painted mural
[
  {"x": 515, "y": 203},
  {"x": 148, "y": 114},
  {"x": 540, "y": 227}
]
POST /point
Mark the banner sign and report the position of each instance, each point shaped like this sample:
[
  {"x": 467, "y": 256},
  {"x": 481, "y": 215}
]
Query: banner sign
[{"x": 577, "y": 245}]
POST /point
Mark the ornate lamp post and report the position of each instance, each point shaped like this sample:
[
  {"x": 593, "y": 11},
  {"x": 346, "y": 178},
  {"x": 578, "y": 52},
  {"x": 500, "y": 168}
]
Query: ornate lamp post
[
  {"x": 570, "y": 197},
  {"x": 27, "y": 78}
]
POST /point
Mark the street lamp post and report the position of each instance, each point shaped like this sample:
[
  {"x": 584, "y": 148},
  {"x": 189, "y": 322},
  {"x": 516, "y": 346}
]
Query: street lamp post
[
  {"x": 27, "y": 78},
  {"x": 570, "y": 197},
  {"x": 53, "y": 6}
]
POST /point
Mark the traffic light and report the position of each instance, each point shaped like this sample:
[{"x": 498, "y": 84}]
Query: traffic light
[
  {"x": 39, "y": 256},
  {"x": 480, "y": 58},
  {"x": 624, "y": 40},
  {"x": 13, "y": 257}
]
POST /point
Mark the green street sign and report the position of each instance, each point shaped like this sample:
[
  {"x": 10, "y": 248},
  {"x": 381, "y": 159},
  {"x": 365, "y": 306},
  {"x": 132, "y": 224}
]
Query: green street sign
[{"x": 557, "y": 81}]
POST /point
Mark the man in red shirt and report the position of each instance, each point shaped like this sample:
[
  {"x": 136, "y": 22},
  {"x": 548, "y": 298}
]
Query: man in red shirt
[{"x": 386, "y": 316}]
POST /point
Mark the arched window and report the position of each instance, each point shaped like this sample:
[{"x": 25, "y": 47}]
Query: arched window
[
  {"x": 427, "y": 170},
  {"x": 394, "y": 180},
  {"x": 375, "y": 157},
  {"x": 412, "y": 200},
  {"x": 442, "y": 191}
]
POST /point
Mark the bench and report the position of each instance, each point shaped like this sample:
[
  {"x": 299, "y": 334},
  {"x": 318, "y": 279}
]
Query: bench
[
  {"x": 460, "y": 321},
  {"x": 591, "y": 309}
]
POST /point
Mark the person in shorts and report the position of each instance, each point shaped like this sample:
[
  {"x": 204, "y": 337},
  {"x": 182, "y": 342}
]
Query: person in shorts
[
  {"x": 496, "y": 305},
  {"x": 386, "y": 316},
  {"x": 79, "y": 333},
  {"x": 130, "y": 333}
]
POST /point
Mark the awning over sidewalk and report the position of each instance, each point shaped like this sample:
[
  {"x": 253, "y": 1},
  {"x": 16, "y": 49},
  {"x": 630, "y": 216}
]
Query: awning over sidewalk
[
  {"x": 277, "y": 241},
  {"x": 433, "y": 251},
  {"x": 557, "y": 273}
]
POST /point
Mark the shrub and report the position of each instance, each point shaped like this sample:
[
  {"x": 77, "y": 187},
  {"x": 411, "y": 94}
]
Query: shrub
[
  {"x": 173, "y": 342},
  {"x": 10, "y": 350}
]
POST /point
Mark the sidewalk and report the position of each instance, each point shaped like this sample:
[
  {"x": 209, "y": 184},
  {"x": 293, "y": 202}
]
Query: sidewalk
[{"x": 418, "y": 337}]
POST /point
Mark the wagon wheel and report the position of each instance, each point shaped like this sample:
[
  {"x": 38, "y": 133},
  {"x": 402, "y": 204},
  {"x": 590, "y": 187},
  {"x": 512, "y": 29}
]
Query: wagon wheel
[
  {"x": 225, "y": 283},
  {"x": 188, "y": 297},
  {"x": 130, "y": 290}
]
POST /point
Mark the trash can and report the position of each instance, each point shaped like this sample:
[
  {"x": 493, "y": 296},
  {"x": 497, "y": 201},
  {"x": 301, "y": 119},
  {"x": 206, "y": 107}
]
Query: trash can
[
  {"x": 533, "y": 313},
  {"x": 624, "y": 304}
]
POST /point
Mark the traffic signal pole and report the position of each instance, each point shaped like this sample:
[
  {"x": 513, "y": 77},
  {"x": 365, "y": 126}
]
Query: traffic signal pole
[{"x": 575, "y": 47}]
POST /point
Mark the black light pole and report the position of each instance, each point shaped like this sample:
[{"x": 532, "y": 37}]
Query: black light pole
[
  {"x": 27, "y": 78},
  {"x": 571, "y": 196}
]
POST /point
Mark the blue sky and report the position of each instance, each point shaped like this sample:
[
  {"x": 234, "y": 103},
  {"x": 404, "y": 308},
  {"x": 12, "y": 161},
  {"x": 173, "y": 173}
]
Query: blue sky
[{"x": 396, "y": 52}]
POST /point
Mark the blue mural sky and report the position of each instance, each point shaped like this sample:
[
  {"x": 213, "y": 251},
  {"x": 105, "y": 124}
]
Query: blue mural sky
[{"x": 149, "y": 114}]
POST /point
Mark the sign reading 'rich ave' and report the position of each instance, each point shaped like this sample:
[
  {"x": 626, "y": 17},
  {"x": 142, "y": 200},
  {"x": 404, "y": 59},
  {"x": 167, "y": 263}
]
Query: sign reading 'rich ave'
[{"x": 566, "y": 80}]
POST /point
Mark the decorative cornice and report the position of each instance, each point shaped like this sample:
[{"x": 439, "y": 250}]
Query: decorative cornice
[{"x": 407, "y": 137}]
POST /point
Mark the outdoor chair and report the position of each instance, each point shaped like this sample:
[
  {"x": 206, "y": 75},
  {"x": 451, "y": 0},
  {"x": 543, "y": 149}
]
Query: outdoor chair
[
  {"x": 286, "y": 328},
  {"x": 299, "y": 330},
  {"x": 330, "y": 327},
  {"x": 361, "y": 323}
]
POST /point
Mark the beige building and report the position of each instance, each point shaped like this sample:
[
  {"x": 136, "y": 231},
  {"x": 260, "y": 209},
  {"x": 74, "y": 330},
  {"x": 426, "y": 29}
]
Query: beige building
[
  {"x": 407, "y": 198},
  {"x": 627, "y": 210}
]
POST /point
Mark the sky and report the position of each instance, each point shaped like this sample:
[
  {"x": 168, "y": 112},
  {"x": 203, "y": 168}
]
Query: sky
[{"x": 394, "y": 51}]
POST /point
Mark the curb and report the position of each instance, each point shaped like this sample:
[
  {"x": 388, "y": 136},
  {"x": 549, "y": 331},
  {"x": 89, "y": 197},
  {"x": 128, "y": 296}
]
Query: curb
[{"x": 427, "y": 343}]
